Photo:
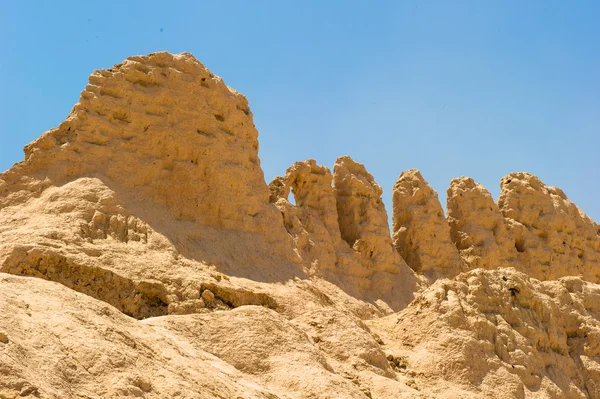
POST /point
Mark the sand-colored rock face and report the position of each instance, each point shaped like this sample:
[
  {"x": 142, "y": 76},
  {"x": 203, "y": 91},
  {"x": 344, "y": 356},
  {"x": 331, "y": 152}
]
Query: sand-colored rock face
[
  {"x": 177, "y": 145},
  {"x": 174, "y": 271},
  {"x": 477, "y": 226},
  {"x": 501, "y": 334},
  {"x": 361, "y": 214},
  {"x": 339, "y": 228},
  {"x": 553, "y": 237},
  {"x": 420, "y": 230},
  {"x": 533, "y": 228},
  {"x": 61, "y": 344}
]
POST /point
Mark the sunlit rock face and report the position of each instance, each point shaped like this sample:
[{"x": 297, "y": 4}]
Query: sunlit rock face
[{"x": 142, "y": 254}]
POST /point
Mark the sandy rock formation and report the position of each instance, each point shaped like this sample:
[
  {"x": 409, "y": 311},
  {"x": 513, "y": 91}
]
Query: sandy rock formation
[
  {"x": 420, "y": 230},
  {"x": 552, "y": 236},
  {"x": 533, "y": 228},
  {"x": 177, "y": 145},
  {"x": 313, "y": 220},
  {"x": 109, "y": 207},
  {"x": 362, "y": 217},
  {"x": 272, "y": 351},
  {"x": 477, "y": 227},
  {"x": 175, "y": 272},
  {"x": 62, "y": 344},
  {"x": 341, "y": 230},
  {"x": 500, "y": 334}
]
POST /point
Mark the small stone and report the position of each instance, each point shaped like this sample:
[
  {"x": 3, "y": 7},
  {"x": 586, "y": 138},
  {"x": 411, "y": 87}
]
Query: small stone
[
  {"x": 29, "y": 390},
  {"x": 3, "y": 337},
  {"x": 208, "y": 297},
  {"x": 411, "y": 383},
  {"x": 366, "y": 391}
]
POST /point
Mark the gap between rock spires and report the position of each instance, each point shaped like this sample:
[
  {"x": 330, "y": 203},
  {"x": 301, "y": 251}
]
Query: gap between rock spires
[{"x": 149, "y": 201}]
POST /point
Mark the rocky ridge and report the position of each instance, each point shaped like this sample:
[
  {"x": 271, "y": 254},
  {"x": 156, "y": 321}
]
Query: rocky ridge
[{"x": 148, "y": 202}]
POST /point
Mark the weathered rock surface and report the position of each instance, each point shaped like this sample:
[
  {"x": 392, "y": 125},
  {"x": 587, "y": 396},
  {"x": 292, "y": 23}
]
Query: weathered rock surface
[
  {"x": 176, "y": 272},
  {"x": 339, "y": 227},
  {"x": 501, "y": 334},
  {"x": 62, "y": 344},
  {"x": 173, "y": 142},
  {"x": 420, "y": 230},
  {"x": 362, "y": 216},
  {"x": 477, "y": 226},
  {"x": 553, "y": 237}
]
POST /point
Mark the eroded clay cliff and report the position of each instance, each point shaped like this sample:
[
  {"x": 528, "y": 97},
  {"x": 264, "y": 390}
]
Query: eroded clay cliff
[
  {"x": 339, "y": 226},
  {"x": 173, "y": 270}
]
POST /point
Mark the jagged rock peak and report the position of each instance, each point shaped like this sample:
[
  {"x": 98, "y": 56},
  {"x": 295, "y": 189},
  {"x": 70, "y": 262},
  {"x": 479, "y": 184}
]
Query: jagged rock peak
[
  {"x": 361, "y": 213},
  {"x": 339, "y": 227},
  {"x": 477, "y": 226},
  {"x": 177, "y": 145},
  {"x": 311, "y": 185},
  {"x": 420, "y": 231}
]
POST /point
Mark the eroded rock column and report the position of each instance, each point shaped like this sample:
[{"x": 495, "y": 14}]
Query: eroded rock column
[
  {"x": 420, "y": 231},
  {"x": 362, "y": 217},
  {"x": 341, "y": 232},
  {"x": 477, "y": 226}
]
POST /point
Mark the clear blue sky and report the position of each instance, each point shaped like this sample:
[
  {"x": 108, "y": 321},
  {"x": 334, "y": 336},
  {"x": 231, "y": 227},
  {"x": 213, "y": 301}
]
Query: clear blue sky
[{"x": 475, "y": 88}]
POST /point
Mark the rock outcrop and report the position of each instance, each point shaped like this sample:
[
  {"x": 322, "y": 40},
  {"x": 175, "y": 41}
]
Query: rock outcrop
[
  {"x": 176, "y": 145},
  {"x": 143, "y": 255},
  {"x": 420, "y": 230},
  {"x": 477, "y": 226},
  {"x": 339, "y": 227},
  {"x": 552, "y": 236},
  {"x": 362, "y": 217},
  {"x": 501, "y": 334}
]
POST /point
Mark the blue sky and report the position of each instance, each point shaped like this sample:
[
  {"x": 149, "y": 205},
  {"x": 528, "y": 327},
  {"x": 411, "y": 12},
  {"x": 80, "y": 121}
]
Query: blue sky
[{"x": 474, "y": 88}]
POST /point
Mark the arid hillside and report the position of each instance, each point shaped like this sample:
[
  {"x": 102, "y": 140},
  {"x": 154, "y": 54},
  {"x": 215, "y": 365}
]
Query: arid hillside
[{"x": 143, "y": 255}]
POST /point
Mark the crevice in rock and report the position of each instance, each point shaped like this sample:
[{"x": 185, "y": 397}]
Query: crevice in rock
[
  {"x": 520, "y": 244},
  {"x": 236, "y": 297},
  {"x": 138, "y": 299}
]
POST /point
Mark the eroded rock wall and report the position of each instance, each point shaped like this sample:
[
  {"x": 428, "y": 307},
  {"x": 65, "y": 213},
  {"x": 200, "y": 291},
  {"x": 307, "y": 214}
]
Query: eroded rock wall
[
  {"x": 533, "y": 228},
  {"x": 553, "y": 237},
  {"x": 149, "y": 202},
  {"x": 339, "y": 226},
  {"x": 361, "y": 214},
  {"x": 501, "y": 333},
  {"x": 181, "y": 150}
]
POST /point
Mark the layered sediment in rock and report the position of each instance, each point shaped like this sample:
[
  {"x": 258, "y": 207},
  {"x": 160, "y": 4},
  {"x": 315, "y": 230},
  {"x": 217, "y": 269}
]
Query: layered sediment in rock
[
  {"x": 176, "y": 145},
  {"x": 150, "y": 203}
]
